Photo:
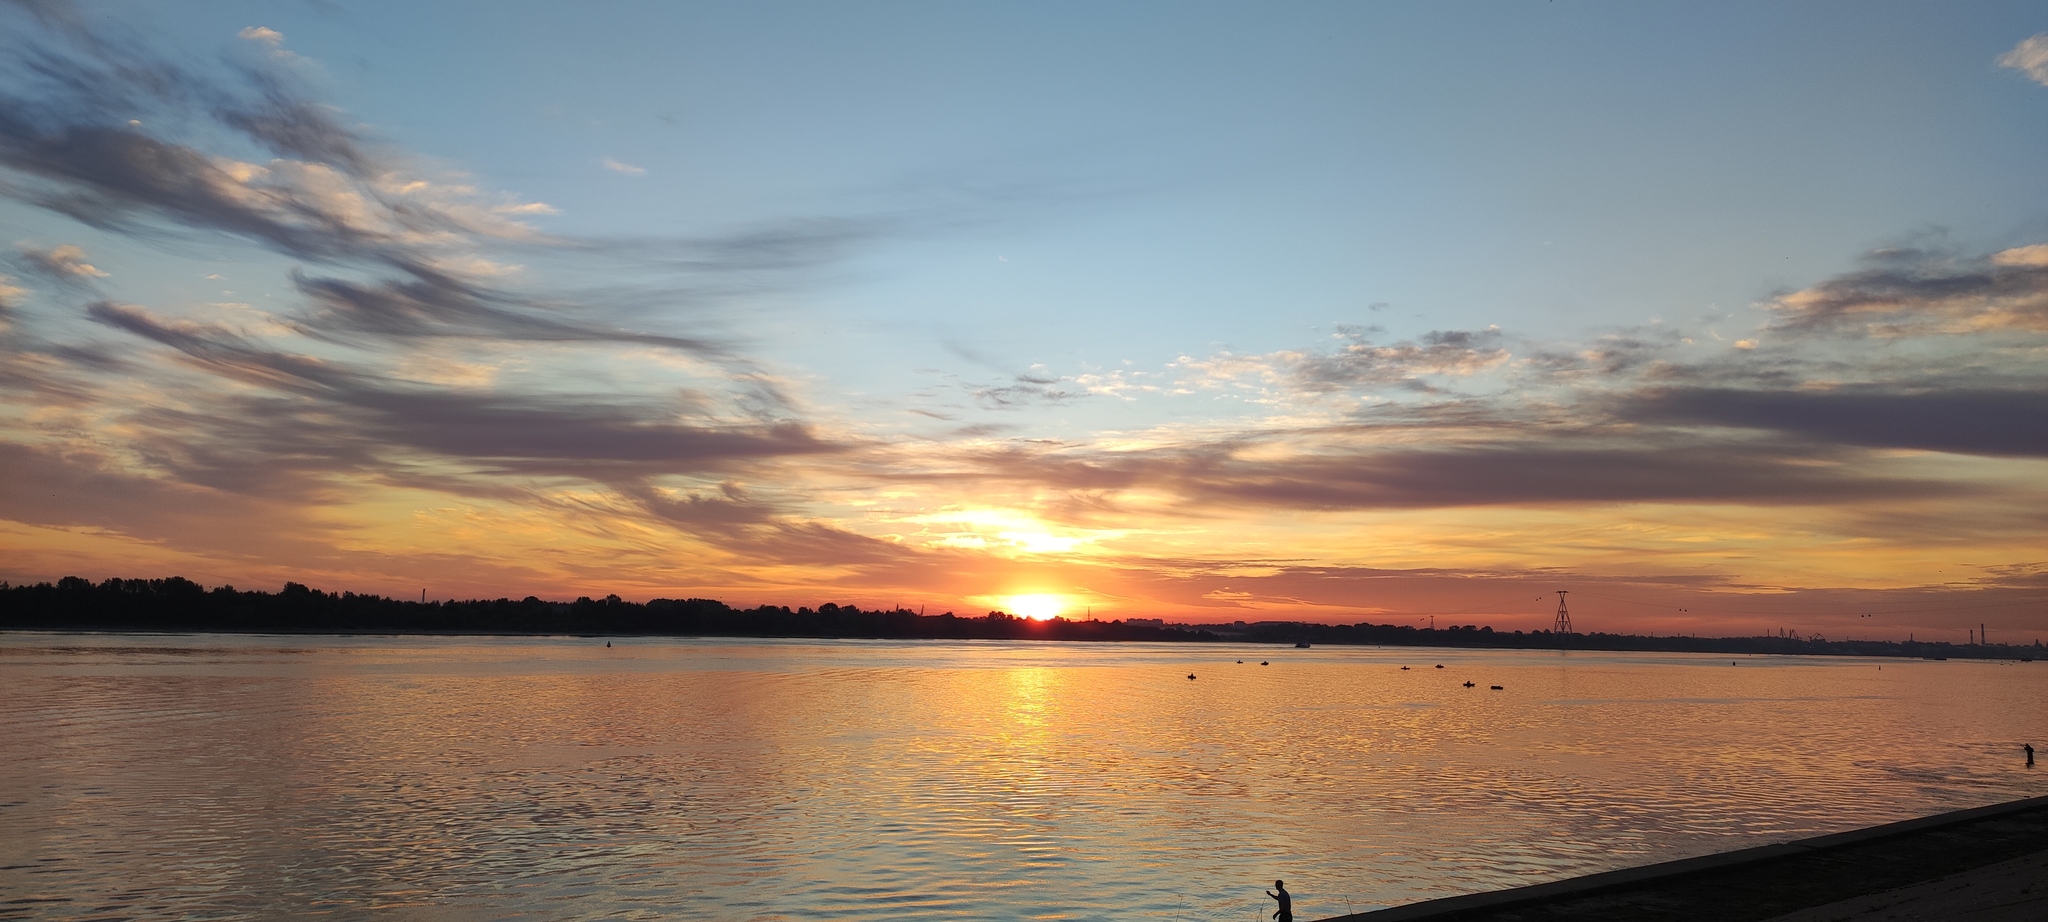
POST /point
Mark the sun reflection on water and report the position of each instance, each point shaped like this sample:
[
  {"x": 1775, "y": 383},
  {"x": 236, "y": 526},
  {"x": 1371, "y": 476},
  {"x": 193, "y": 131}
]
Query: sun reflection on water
[{"x": 544, "y": 778}]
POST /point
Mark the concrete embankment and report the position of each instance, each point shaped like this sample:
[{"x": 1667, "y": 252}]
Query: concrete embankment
[{"x": 1989, "y": 864}]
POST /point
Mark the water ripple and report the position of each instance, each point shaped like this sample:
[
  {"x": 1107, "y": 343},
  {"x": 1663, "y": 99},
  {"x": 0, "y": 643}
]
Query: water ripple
[{"x": 421, "y": 778}]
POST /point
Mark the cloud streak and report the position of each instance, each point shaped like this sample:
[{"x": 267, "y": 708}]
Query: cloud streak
[
  {"x": 577, "y": 436},
  {"x": 1912, "y": 292},
  {"x": 1998, "y": 423}
]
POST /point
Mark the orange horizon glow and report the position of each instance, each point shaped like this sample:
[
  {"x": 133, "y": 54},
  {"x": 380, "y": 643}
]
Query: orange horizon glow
[{"x": 1036, "y": 606}]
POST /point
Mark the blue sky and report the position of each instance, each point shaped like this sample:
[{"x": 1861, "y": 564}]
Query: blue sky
[
  {"x": 1253, "y": 174},
  {"x": 1056, "y": 272},
  {"x": 1074, "y": 187}
]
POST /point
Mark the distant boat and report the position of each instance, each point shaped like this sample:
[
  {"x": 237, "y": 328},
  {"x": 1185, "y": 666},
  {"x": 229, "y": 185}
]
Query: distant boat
[
  {"x": 1468, "y": 685},
  {"x": 1496, "y": 688},
  {"x": 1301, "y": 645}
]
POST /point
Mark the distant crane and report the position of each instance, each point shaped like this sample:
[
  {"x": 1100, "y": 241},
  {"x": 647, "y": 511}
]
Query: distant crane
[{"x": 1563, "y": 626}]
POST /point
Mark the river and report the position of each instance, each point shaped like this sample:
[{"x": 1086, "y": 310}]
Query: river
[{"x": 258, "y": 776}]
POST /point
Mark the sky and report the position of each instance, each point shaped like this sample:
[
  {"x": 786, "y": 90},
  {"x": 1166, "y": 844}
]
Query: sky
[{"x": 1727, "y": 319}]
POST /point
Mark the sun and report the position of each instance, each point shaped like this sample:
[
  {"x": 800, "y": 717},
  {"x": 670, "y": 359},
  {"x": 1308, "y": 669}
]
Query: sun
[{"x": 1036, "y": 607}]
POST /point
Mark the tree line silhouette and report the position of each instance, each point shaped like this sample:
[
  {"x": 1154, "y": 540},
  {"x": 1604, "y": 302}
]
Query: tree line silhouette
[{"x": 178, "y": 604}]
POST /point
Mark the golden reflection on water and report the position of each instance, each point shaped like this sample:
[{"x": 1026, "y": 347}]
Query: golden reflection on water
[{"x": 446, "y": 778}]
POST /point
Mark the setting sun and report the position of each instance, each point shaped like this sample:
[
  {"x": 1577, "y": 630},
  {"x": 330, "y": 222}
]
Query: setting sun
[{"x": 1035, "y": 607}]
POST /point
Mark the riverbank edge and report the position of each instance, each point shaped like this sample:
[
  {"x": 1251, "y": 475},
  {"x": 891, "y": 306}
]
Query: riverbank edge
[{"x": 1654, "y": 877}]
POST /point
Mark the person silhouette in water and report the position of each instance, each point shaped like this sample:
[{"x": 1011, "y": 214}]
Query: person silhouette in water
[{"x": 1286, "y": 911}]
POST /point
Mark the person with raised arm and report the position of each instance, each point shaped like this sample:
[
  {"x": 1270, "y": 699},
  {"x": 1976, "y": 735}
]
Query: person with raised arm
[{"x": 1286, "y": 911}]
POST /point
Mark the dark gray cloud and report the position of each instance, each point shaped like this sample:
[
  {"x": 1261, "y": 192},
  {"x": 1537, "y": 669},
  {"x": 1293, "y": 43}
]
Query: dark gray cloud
[
  {"x": 1575, "y": 471},
  {"x": 66, "y": 489},
  {"x": 1980, "y": 422},
  {"x": 111, "y": 178},
  {"x": 1619, "y": 352},
  {"x": 436, "y": 304},
  {"x": 1538, "y": 475},
  {"x": 83, "y": 133},
  {"x": 1026, "y": 390},
  {"x": 534, "y": 433},
  {"x": 1645, "y": 415},
  {"x": 97, "y": 127},
  {"x": 735, "y": 522},
  {"x": 788, "y": 245},
  {"x": 285, "y": 122},
  {"x": 1912, "y": 290},
  {"x": 726, "y": 508},
  {"x": 88, "y": 111},
  {"x": 816, "y": 544},
  {"x": 1360, "y": 362}
]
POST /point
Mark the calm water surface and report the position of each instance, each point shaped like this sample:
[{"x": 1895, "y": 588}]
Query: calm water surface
[{"x": 220, "y": 777}]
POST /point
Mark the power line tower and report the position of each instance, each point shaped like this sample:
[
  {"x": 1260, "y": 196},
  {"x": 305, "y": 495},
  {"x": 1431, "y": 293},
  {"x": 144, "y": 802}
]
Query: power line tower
[{"x": 1563, "y": 626}]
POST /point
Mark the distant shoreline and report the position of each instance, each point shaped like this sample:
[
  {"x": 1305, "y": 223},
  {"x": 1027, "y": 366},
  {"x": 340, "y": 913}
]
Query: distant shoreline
[{"x": 179, "y": 606}]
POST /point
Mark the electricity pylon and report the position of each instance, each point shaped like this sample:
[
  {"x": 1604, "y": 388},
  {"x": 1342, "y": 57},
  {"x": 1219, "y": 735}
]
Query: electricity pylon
[{"x": 1563, "y": 626}]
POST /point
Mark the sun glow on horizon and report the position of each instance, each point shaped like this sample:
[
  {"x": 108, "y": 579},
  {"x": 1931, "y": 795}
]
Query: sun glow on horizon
[{"x": 1037, "y": 607}]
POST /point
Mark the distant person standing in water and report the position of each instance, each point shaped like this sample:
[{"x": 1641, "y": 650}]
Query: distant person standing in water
[
  {"x": 1286, "y": 911},
  {"x": 2030, "y": 755}
]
